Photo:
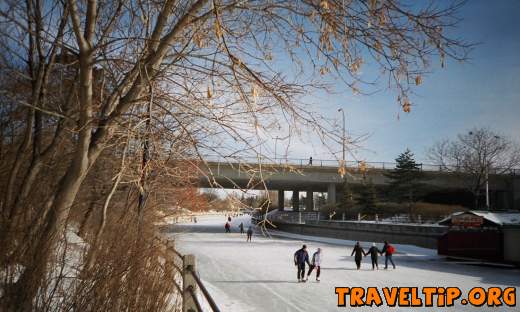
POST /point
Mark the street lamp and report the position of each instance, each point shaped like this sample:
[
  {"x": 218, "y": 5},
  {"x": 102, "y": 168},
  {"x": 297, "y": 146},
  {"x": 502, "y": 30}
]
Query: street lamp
[
  {"x": 487, "y": 175},
  {"x": 343, "y": 139},
  {"x": 275, "y": 143}
]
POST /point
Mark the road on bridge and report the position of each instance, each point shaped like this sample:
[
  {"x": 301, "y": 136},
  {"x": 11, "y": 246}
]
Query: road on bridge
[{"x": 261, "y": 276}]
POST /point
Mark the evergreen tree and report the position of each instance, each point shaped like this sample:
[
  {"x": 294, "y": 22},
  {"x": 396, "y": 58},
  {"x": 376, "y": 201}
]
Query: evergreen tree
[
  {"x": 347, "y": 201},
  {"x": 406, "y": 180},
  {"x": 367, "y": 197}
]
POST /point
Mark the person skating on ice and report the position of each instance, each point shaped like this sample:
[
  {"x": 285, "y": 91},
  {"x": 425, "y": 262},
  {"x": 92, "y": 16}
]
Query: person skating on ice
[
  {"x": 300, "y": 258},
  {"x": 249, "y": 233},
  {"x": 388, "y": 250},
  {"x": 373, "y": 252},
  {"x": 358, "y": 250},
  {"x": 316, "y": 264}
]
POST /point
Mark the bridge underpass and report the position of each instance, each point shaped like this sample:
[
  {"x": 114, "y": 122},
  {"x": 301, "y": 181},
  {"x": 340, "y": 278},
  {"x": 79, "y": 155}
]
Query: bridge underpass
[{"x": 311, "y": 179}]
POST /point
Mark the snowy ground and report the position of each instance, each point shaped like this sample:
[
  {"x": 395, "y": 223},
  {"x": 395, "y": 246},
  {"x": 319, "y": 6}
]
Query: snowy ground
[{"x": 261, "y": 276}]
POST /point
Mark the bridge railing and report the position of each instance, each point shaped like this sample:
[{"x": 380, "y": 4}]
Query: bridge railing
[{"x": 305, "y": 163}]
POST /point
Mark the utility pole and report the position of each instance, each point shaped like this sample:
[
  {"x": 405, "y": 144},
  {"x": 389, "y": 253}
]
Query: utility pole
[
  {"x": 343, "y": 138},
  {"x": 487, "y": 187},
  {"x": 275, "y": 144}
]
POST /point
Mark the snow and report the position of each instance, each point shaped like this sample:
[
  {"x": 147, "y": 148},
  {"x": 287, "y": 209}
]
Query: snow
[{"x": 260, "y": 276}]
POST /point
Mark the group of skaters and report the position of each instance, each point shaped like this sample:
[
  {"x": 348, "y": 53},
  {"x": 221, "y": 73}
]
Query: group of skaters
[
  {"x": 227, "y": 227},
  {"x": 301, "y": 257},
  {"x": 388, "y": 250}
]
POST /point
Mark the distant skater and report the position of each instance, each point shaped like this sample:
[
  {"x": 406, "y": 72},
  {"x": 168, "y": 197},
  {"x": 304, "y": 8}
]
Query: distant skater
[
  {"x": 315, "y": 263},
  {"x": 229, "y": 218},
  {"x": 249, "y": 234},
  {"x": 358, "y": 250},
  {"x": 241, "y": 226},
  {"x": 300, "y": 258},
  {"x": 373, "y": 251},
  {"x": 227, "y": 227},
  {"x": 388, "y": 250}
]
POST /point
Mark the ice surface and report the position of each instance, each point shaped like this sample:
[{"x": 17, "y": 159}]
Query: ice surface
[{"x": 261, "y": 276}]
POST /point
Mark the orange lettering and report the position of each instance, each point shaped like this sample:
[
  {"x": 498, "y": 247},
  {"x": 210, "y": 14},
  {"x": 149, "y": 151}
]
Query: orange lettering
[
  {"x": 428, "y": 293},
  {"x": 452, "y": 294},
  {"x": 356, "y": 297},
  {"x": 493, "y": 298},
  {"x": 415, "y": 300},
  {"x": 342, "y": 295},
  {"x": 390, "y": 296},
  {"x": 509, "y": 296},
  {"x": 373, "y": 297},
  {"x": 404, "y": 292},
  {"x": 477, "y": 296}
]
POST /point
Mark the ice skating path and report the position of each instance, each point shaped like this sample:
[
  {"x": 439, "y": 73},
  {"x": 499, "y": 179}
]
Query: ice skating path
[{"x": 261, "y": 276}]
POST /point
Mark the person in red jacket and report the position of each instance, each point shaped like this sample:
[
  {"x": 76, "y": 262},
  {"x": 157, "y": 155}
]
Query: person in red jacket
[
  {"x": 388, "y": 250},
  {"x": 227, "y": 227}
]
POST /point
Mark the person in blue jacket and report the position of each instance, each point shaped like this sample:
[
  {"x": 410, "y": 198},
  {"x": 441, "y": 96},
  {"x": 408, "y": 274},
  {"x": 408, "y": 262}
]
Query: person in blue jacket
[{"x": 300, "y": 258}]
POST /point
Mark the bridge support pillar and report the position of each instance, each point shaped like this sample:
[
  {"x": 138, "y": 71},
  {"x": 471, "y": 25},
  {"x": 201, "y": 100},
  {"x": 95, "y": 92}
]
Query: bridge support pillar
[
  {"x": 281, "y": 199},
  {"x": 296, "y": 200},
  {"x": 331, "y": 194},
  {"x": 309, "y": 201}
]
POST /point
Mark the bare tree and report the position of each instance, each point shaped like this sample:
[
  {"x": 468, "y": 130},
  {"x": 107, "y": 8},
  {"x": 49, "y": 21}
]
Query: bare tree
[
  {"x": 210, "y": 74},
  {"x": 475, "y": 155}
]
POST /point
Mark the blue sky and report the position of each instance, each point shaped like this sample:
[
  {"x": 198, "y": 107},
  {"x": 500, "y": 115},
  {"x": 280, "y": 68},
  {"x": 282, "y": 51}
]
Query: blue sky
[{"x": 483, "y": 92}]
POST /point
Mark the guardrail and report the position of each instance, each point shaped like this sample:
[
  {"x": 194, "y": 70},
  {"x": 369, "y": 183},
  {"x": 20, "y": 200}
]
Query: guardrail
[
  {"x": 191, "y": 282},
  {"x": 299, "y": 162}
]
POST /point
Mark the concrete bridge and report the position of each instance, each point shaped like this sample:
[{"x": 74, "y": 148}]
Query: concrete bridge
[{"x": 324, "y": 177}]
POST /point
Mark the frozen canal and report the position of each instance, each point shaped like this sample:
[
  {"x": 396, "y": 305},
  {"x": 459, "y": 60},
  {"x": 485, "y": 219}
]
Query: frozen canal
[{"x": 261, "y": 276}]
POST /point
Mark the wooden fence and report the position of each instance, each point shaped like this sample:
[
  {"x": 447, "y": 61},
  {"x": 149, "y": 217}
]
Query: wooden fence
[{"x": 188, "y": 282}]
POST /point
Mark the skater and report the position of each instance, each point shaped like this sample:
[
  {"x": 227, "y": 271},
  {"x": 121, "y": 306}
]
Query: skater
[
  {"x": 227, "y": 227},
  {"x": 241, "y": 226},
  {"x": 249, "y": 234},
  {"x": 373, "y": 251},
  {"x": 300, "y": 258},
  {"x": 388, "y": 250},
  {"x": 315, "y": 263},
  {"x": 229, "y": 218},
  {"x": 194, "y": 219},
  {"x": 358, "y": 250}
]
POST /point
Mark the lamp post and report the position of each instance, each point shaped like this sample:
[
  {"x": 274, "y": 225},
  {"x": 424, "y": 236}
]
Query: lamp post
[
  {"x": 343, "y": 138},
  {"x": 487, "y": 174},
  {"x": 275, "y": 144}
]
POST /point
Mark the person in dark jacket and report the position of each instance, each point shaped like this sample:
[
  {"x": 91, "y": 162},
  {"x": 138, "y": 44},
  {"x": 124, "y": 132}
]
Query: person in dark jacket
[
  {"x": 388, "y": 251},
  {"x": 227, "y": 227},
  {"x": 373, "y": 251},
  {"x": 249, "y": 234},
  {"x": 300, "y": 258},
  {"x": 241, "y": 226},
  {"x": 358, "y": 250}
]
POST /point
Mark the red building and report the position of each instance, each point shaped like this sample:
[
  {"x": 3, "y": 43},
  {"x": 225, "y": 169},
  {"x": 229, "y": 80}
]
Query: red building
[{"x": 482, "y": 235}]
